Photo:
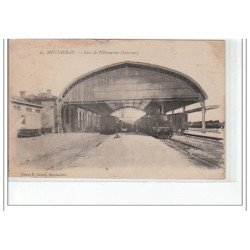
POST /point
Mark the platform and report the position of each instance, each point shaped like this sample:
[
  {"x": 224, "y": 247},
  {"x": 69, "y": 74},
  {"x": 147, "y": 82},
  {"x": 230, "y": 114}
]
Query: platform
[{"x": 210, "y": 133}]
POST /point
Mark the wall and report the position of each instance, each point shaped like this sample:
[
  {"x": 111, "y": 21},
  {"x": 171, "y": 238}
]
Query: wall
[
  {"x": 24, "y": 117},
  {"x": 49, "y": 116},
  {"x": 78, "y": 119}
]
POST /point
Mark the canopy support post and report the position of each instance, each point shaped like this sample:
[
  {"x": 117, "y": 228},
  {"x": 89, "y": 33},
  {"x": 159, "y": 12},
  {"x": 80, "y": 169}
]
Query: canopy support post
[{"x": 203, "y": 116}]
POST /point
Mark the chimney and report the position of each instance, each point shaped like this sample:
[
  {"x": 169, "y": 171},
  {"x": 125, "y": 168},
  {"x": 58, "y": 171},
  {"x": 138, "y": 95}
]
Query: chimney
[
  {"x": 22, "y": 94},
  {"x": 49, "y": 92}
]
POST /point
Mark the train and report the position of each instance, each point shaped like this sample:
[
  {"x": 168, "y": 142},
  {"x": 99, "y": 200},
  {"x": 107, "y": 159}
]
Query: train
[
  {"x": 179, "y": 122},
  {"x": 157, "y": 127},
  {"x": 108, "y": 125},
  {"x": 209, "y": 124}
]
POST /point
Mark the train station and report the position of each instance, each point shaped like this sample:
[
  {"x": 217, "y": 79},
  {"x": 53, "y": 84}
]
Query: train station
[
  {"x": 150, "y": 88},
  {"x": 96, "y": 134}
]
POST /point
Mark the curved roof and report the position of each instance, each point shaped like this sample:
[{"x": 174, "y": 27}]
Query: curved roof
[{"x": 133, "y": 82}]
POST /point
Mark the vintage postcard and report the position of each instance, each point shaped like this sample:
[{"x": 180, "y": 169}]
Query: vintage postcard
[{"x": 116, "y": 109}]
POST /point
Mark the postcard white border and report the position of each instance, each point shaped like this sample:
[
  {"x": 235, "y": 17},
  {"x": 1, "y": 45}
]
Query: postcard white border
[{"x": 153, "y": 192}]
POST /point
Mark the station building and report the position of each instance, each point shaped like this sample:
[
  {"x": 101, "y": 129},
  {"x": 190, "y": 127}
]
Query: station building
[
  {"x": 154, "y": 89},
  {"x": 25, "y": 119},
  {"x": 78, "y": 118},
  {"x": 48, "y": 115},
  {"x": 75, "y": 118}
]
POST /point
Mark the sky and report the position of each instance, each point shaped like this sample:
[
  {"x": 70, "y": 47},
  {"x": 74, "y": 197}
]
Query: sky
[
  {"x": 38, "y": 65},
  {"x": 129, "y": 115}
]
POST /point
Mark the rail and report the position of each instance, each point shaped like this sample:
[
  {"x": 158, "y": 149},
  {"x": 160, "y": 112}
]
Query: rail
[{"x": 212, "y": 158}]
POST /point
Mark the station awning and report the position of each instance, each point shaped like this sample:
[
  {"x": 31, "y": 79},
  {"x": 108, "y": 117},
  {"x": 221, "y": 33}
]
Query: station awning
[{"x": 199, "y": 109}]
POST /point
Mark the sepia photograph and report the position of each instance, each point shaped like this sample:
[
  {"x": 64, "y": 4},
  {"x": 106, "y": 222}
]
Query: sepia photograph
[
  {"x": 124, "y": 126},
  {"x": 116, "y": 109}
]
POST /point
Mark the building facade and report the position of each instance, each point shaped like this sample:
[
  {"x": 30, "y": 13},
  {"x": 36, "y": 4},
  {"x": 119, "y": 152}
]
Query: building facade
[
  {"x": 76, "y": 119},
  {"x": 25, "y": 119},
  {"x": 49, "y": 112}
]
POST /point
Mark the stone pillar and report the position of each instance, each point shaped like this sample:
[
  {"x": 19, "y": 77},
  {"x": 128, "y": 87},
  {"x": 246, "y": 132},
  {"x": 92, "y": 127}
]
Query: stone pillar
[
  {"x": 91, "y": 120},
  {"x": 203, "y": 111},
  {"x": 74, "y": 119},
  {"x": 94, "y": 122},
  {"x": 59, "y": 116},
  {"x": 64, "y": 117},
  {"x": 87, "y": 119},
  {"x": 69, "y": 119},
  {"x": 83, "y": 120},
  {"x": 78, "y": 119}
]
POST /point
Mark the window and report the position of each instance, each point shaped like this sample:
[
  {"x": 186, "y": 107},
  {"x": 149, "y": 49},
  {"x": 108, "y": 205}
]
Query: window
[
  {"x": 17, "y": 107},
  {"x": 29, "y": 109},
  {"x": 23, "y": 120}
]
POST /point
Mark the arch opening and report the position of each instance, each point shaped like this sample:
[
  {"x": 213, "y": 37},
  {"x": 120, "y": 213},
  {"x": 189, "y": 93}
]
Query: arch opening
[{"x": 128, "y": 114}]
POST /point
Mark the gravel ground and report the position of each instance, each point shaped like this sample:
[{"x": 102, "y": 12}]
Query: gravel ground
[
  {"x": 47, "y": 151},
  {"x": 134, "y": 157},
  {"x": 90, "y": 155}
]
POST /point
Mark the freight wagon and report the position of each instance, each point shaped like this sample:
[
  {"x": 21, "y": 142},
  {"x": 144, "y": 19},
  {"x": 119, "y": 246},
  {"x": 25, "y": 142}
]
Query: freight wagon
[{"x": 209, "y": 124}]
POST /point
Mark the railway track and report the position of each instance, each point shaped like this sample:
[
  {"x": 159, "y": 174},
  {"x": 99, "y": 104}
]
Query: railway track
[
  {"x": 207, "y": 158},
  {"x": 212, "y": 151},
  {"x": 65, "y": 159},
  {"x": 203, "y": 137},
  {"x": 71, "y": 156}
]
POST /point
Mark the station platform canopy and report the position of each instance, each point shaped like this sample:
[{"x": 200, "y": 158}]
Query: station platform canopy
[
  {"x": 143, "y": 86},
  {"x": 199, "y": 109}
]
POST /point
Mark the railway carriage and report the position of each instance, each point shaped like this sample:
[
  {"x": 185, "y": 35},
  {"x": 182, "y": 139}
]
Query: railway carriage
[{"x": 209, "y": 124}]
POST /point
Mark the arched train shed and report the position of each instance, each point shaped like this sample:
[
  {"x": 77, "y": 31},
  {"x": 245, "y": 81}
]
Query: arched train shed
[{"x": 148, "y": 87}]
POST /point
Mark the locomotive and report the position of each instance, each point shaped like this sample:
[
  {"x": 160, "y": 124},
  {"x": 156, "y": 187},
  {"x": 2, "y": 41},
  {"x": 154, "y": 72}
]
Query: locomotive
[
  {"x": 108, "y": 125},
  {"x": 157, "y": 127}
]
